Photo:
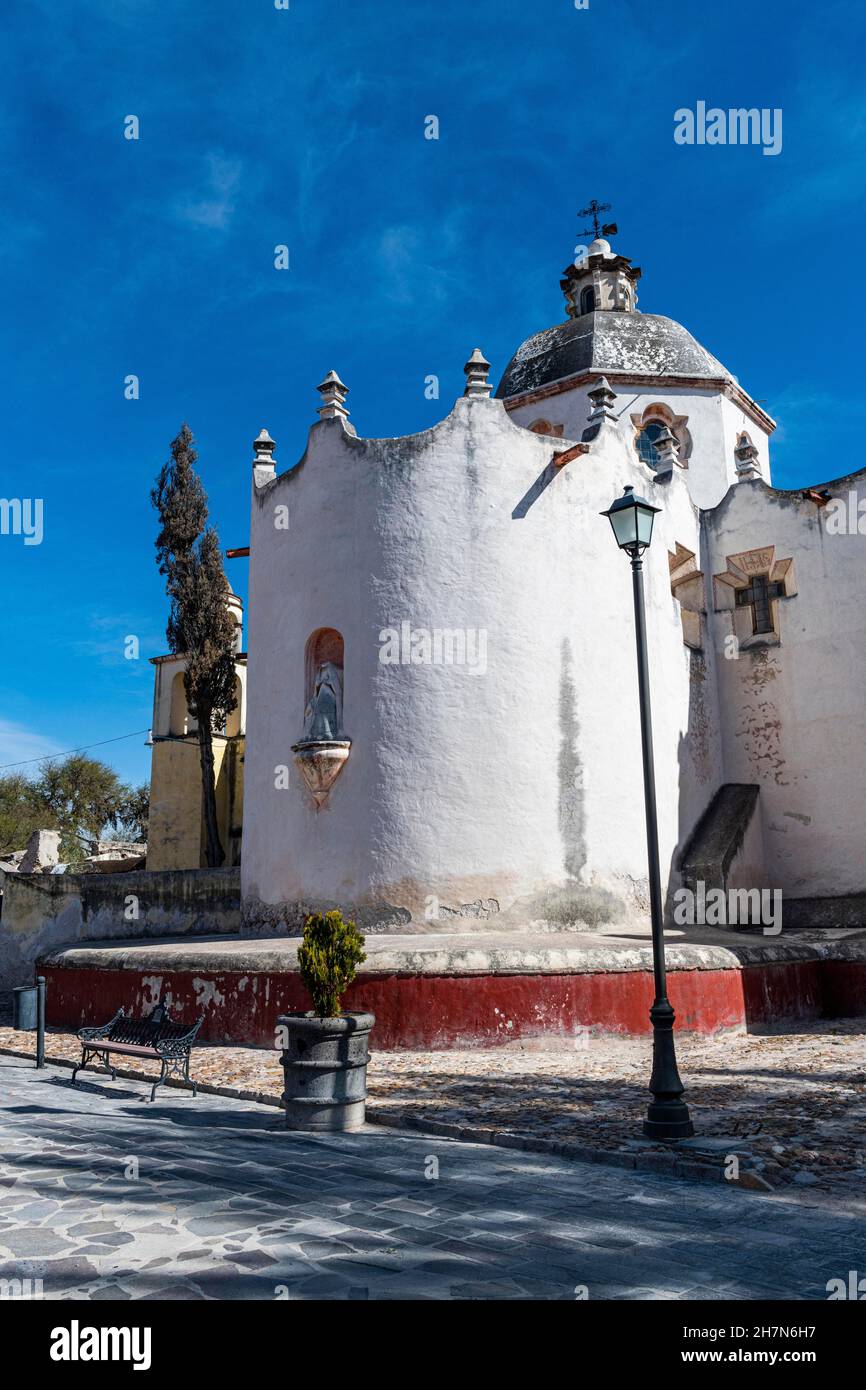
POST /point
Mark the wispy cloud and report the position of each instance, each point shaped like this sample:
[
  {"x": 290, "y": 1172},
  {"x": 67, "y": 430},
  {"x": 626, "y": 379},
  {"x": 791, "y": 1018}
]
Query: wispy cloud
[
  {"x": 812, "y": 441},
  {"x": 19, "y": 744},
  {"x": 121, "y": 641},
  {"x": 400, "y": 251},
  {"x": 215, "y": 207},
  {"x": 797, "y": 410}
]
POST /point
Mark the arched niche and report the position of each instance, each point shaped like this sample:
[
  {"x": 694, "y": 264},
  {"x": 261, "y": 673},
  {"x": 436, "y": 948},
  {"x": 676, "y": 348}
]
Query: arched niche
[
  {"x": 178, "y": 713},
  {"x": 543, "y": 426},
  {"x": 323, "y": 684}
]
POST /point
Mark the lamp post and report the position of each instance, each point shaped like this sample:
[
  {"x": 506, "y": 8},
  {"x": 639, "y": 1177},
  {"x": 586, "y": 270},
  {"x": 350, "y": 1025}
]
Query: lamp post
[{"x": 631, "y": 518}]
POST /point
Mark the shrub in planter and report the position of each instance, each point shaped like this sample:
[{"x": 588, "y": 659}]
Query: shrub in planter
[
  {"x": 325, "y": 1055},
  {"x": 328, "y": 957}
]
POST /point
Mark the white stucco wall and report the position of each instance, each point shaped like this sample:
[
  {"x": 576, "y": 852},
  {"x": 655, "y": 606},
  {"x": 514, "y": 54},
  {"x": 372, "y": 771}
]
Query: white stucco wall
[
  {"x": 713, "y": 421},
  {"x": 468, "y": 786},
  {"x": 735, "y": 422},
  {"x": 793, "y": 713}
]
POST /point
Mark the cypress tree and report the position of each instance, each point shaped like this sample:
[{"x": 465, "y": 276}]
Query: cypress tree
[{"x": 199, "y": 624}]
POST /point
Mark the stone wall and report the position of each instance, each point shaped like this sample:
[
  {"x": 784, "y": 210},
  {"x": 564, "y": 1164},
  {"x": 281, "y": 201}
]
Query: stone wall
[{"x": 42, "y": 911}]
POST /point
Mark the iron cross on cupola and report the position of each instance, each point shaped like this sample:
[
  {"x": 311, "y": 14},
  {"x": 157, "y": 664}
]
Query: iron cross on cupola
[{"x": 599, "y": 228}]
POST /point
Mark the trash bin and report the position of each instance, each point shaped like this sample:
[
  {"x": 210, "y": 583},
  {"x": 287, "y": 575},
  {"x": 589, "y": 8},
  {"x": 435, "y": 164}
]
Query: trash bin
[{"x": 24, "y": 1008}]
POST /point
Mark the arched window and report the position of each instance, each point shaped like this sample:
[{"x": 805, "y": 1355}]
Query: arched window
[
  {"x": 645, "y": 442},
  {"x": 587, "y": 300},
  {"x": 179, "y": 721},
  {"x": 650, "y": 423}
]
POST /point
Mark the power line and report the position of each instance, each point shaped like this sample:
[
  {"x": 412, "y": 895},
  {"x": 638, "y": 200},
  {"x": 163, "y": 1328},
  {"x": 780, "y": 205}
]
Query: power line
[{"x": 49, "y": 757}]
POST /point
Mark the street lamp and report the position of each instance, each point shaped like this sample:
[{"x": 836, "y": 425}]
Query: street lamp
[{"x": 631, "y": 518}]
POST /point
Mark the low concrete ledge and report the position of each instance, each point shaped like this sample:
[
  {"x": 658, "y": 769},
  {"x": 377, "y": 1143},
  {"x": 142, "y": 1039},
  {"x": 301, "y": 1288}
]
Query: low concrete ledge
[{"x": 545, "y": 954}]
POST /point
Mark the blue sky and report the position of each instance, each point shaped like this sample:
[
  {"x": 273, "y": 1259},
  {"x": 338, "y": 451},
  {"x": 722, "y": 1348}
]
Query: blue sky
[{"x": 305, "y": 127}]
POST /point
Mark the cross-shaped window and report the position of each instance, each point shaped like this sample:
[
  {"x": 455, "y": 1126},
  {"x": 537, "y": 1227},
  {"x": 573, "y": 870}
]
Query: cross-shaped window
[{"x": 757, "y": 595}]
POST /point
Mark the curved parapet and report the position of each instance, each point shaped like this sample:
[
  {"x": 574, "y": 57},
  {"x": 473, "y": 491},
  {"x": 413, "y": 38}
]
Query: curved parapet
[{"x": 468, "y": 590}]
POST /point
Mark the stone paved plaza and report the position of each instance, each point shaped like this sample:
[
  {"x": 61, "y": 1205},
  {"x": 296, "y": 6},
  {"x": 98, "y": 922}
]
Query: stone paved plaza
[
  {"x": 790, "y": 1104},
  {"x": 105, "y": 1196}
]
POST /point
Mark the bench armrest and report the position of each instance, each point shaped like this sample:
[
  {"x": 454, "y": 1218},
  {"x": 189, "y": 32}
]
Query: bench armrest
[
  {"x": 173, "y": 1047},
  {"x": 93, "y": 1034}
]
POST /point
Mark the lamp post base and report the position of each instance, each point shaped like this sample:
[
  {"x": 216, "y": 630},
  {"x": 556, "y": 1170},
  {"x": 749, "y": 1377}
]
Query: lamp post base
[
  {"x": 668, "y": 1120},
  {"x": 667, "y": 1113}
]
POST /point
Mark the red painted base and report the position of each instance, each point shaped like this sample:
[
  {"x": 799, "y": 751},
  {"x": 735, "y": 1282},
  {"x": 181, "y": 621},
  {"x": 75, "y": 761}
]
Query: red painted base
[{"x": 443, "y": 1011}]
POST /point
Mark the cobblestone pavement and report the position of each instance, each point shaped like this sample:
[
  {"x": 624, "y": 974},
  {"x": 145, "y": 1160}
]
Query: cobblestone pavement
[
  {"x": 104, "y": 1196},
  {"x": 791, "y": 1105}
]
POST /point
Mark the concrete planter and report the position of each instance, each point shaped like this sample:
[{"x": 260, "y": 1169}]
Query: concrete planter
[{"x": 325, "y": 1070}]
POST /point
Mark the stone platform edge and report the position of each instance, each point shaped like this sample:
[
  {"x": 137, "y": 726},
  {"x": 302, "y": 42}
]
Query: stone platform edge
[{"x": 388, "y": 956}]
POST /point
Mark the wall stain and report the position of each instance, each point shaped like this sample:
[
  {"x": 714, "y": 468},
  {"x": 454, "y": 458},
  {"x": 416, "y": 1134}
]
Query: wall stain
[
  {"x": 760, "y": 725},
  {"x": 572, "y": 812}
]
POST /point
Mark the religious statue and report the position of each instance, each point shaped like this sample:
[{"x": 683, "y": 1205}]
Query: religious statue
[{"x": 323, "y": 717}]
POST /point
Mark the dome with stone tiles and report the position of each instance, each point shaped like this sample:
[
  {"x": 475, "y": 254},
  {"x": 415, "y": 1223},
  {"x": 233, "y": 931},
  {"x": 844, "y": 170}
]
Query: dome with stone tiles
[
  {"x": 606, "y": 334},
  {"x": 606, "y": 343}
]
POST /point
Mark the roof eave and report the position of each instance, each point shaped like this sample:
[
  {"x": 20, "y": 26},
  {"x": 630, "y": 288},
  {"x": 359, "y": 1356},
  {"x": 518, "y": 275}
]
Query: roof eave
[{"x": 725, "y": 385}]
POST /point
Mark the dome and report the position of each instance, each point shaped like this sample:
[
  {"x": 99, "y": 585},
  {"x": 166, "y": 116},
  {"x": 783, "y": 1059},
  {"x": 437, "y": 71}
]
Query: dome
[{"x": 604, "y": 342}]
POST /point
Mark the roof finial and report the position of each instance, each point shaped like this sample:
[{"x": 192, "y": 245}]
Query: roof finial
[
  {"x": 746, "y": 456},
  {"x": 599, "y": 228},
  {"x": 667, "y": 451},
  {"x": 333, "y": 394},
  {"x": 263, "y": 448},
  {"x": 602, "y": 397},
  {"x": 476, "y": 370}
]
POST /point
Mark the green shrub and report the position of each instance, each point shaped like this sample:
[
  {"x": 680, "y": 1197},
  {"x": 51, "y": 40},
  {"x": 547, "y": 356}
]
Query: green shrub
[{"x": 327, "y": 958}]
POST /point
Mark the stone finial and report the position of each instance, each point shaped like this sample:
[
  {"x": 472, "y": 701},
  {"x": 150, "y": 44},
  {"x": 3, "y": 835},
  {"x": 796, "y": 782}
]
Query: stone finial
[
  {"x": 333, "y": 394},
  {"x": 263, "y": 451},
  {"x": 602, "y": 396},
  {"x": 476, "y": 369},
  {"x": 746, "y": 456},
  {"x": 667, "y": 451}
]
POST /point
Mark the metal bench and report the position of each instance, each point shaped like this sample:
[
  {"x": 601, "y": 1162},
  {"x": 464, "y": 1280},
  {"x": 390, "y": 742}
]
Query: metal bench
[{"x": 156, "y": 1037}]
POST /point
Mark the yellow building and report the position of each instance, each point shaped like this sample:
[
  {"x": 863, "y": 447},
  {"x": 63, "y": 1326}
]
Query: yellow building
[{"x": 176, "y": 835}]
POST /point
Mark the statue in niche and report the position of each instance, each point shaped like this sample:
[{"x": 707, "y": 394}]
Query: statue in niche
[{"x": 323, "y": 717}]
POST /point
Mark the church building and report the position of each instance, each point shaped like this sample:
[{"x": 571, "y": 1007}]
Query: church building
[{"x": 440, "y": 715}]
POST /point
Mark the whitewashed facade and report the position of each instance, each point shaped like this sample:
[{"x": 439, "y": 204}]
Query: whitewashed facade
[{"x": 442, "y": 717}]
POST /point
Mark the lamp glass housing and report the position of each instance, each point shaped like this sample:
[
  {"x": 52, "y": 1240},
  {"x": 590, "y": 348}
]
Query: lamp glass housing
[{"x": 631, "y": 518}]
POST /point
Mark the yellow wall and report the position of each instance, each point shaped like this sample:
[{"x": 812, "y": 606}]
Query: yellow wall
[{"x": 176, "y": 838}]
